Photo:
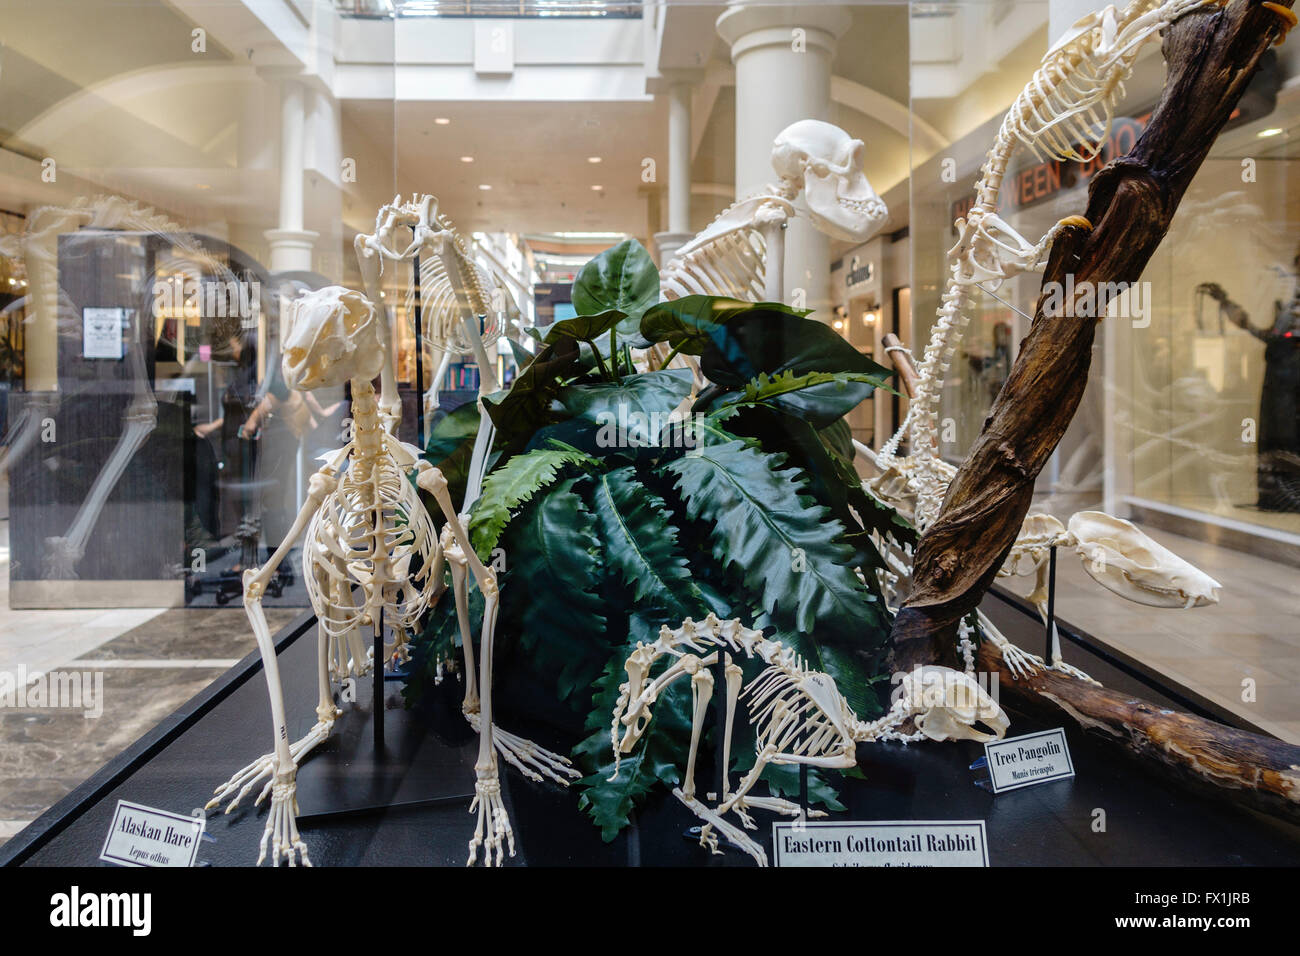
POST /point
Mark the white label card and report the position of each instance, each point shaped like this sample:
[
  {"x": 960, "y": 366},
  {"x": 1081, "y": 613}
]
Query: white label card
[
  {"x": 881, "y": 843},
  {"x": 143, "y": 836},
  {"x": 101, "y": 333},
  {"x": 1024, "y": 761}
]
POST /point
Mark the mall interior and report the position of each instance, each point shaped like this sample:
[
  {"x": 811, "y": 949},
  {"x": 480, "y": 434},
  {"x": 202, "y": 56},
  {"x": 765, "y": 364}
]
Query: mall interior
[{"x": 173, "y": 172}]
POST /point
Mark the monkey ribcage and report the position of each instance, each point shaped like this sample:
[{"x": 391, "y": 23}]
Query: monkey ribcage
[
  {"x": 1063, "y": 113},
  {"x": 729, "y": 257},
  {"x": 370, "y": 531},
  {"x": 730, "y": 265}
]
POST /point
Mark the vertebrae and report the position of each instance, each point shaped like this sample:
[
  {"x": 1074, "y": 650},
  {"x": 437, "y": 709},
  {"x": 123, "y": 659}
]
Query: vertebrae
[
  {"x": 371, "y": 529},
  {"x": 1063, "y": 113}
]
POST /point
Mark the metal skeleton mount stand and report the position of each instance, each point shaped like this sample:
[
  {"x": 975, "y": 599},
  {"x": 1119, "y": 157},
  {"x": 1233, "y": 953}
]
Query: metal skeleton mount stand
[{"x": 721, "y": 732}]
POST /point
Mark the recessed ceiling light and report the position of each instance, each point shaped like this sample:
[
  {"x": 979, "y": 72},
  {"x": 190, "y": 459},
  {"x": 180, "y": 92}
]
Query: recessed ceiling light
[
  {"x": 593, "y": 159},
  {"x": 442, "y": 121},
  {"x": 838, "y": 324},
  {"x": 467, "y": 159},
  {"x": 484, "y": 186},
  {"x": 1265, "y": 133},
  {"x": 597, "y": 188}
]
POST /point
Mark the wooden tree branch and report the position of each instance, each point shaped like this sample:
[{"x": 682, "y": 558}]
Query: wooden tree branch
[
  {"x": 1211, "y": 56},
  {"x": 1217, "y": 761}
]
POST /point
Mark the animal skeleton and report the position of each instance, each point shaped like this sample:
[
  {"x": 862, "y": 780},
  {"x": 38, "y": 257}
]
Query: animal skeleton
[
  {"x": 741, "y": 254},
  {"x": 442, "y": 309},
  {"x": 798, "y": 714},
  {"x": 368, "y": 528},
  {"x": 1063, "y": 113}
]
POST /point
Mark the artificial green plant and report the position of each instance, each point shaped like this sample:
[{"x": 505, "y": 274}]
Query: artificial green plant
[{"x": 611, "y": 516}]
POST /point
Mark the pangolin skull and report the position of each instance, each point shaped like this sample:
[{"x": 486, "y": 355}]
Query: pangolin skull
[
  {"x": 1122, "y": 559},
  {"x": 949, "y": 704},
  {"x": 332, "y": 335},
  {"x": 828, "y": 164}
]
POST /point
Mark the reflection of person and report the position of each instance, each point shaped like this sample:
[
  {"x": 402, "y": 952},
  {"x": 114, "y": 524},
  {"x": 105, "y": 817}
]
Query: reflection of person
[
  {"x": 1278, "y": 468},
  {"x": 237, "y": 402}
]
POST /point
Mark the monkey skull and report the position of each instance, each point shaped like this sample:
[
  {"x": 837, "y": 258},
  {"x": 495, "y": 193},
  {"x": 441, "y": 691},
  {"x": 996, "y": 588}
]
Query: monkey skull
[{"x": 827, "y": 162}]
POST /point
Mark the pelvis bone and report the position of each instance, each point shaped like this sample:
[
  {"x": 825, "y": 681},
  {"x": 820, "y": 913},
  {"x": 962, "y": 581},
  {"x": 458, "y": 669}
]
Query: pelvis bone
[
  {"x": 841, "y": 202},
  {"x": 949, "y": 704},
  {"x": 1122, "y": 559},
  {"x": 332, "y": 335}
]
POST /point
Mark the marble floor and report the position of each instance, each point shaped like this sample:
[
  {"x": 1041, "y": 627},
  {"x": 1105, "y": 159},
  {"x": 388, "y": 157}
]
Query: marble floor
[{"x": 144, "y": 664}]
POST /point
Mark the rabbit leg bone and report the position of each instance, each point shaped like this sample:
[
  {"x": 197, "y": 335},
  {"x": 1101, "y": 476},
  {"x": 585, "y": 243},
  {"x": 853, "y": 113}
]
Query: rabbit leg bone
[
  {"x": 701, "y": 693},
  {"x": 713, "y": 820}
]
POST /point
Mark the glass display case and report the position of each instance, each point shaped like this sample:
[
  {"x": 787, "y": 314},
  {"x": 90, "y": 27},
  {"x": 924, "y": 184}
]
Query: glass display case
[{"x": 310, "y": 313}]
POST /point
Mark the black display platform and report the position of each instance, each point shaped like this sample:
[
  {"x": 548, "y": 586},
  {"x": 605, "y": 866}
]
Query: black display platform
[{"x": 1149, "y": 821}]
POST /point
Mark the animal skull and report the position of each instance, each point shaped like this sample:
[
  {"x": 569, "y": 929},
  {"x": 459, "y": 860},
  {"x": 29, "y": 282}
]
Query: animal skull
[
  {"x": 827, "y": 162},
  {"x": 1122, "y": 559},
  {"x": 332, "y": 335},
  {"x": 949, "y": 704}
]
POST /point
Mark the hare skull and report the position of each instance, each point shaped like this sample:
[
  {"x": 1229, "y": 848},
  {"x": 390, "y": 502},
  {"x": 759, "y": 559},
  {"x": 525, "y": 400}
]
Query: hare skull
[{"x": 332, "y": 335}]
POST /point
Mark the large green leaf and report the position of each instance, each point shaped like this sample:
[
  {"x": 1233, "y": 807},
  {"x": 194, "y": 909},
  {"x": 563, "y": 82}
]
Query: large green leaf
[
  {"x": 819, "y": 398},
  {"x": 526, "y": 407},
  {"x": 786, "y": 551},
  {"x": 691, "y": 323},
  {"x": 584, "y": 328},
  {"x": 623, "y": 277},
  {"x": 555, "y": 567},
  {"x": 633, "y": 411},
  {"x": 510, "y": 486},
  {"x": 640, "y": 543},
  {"x": 772, "y": 342}
]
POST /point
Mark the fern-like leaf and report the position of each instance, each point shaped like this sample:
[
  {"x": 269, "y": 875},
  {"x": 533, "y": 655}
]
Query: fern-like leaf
[
  {"x": 510, "y": 486},
  {"x": 555, "y": 570}
]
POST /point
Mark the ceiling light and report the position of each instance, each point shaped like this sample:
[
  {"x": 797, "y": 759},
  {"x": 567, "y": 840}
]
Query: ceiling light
[
  {"x": 442, "y": 121},
  {"x": 593, "y": 159},
  {"x": 484, "y": 186},
  {"x": 202, "y": 186},
  {"x": 1265, "y": 133},
  {"x": 597, "y": 188},
  {"x": 467, "y": 159},
  {"x": 838, "y": 324}
]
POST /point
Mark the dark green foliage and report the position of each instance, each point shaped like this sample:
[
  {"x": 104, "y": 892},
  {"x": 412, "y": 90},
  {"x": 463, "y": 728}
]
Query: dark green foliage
[{"x": 749, "y": 509}]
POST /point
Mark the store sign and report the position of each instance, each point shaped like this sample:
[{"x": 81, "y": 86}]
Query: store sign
[
  {"x": 101, "y": 333},
  {"x": 881, "y": 843},
  {"x": 859, "y": 274},
  {"x": 1024, "y": 761},
  {"x": 143, "y": 836}
]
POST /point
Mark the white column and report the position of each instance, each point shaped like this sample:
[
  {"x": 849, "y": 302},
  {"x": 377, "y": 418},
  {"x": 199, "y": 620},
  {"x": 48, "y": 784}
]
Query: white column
[
  {"x": 291, "y": 244},
  {"x": 782, "y": 54},
  {"x": 679, "y": 172}
]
